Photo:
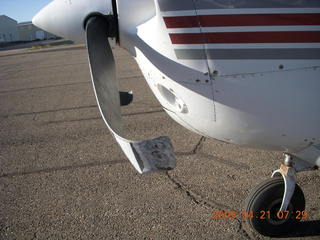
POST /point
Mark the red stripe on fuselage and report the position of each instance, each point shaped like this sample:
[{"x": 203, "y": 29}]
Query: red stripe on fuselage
[
  {"x": 246, "y": 37},
  {"x": 236, "y": 20}
]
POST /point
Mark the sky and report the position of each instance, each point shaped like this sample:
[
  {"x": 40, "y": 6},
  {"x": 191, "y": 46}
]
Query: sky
[{"x": 21, "y": 10}]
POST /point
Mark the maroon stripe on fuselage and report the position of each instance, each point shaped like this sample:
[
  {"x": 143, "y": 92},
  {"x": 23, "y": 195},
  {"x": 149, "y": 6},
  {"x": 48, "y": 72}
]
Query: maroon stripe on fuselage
[
  {"x": 236, "y": 20},
  {"x": 246, "y": 37}
]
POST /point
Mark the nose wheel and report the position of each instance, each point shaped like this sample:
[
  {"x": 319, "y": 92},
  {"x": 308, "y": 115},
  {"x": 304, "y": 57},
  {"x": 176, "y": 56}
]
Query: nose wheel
[
  {"x": 275, "y": 205},
  {"x": 263, "y": 205}
]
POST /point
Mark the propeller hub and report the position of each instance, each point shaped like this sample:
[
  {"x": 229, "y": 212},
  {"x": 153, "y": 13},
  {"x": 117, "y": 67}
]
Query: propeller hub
[{"x": 65, "y": 18}]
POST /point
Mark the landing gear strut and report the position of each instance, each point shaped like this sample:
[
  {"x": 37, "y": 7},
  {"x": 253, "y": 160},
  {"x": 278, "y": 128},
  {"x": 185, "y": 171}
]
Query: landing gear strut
[
  {"x": 278, "y": 203},
  {"x": 264, "y": 203}
]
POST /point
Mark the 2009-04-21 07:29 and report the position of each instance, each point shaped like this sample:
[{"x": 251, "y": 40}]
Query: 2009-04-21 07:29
[{"x": 264, "y": 214}]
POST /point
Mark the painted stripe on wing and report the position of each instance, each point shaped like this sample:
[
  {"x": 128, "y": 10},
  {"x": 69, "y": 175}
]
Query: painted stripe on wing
[
  {"x": 246, "y": 29},
  {"x": 246, "y": 37},
  {"x": 249, "y": 46},
  {"x": 241, "y": 11},
  {"x": 242, "y": 20},
  {"x": 179, "y": 5},
  {"x": 294, "y": 53}
]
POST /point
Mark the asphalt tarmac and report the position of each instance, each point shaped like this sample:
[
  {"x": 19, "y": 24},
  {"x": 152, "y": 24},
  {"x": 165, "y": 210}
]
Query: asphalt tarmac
[{"x": 62, "y": 175}]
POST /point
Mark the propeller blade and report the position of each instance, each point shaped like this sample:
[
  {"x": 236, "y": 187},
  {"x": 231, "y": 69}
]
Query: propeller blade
[
  {"x": 146, "y": 156},
  {"x": 103, "y": 72}
]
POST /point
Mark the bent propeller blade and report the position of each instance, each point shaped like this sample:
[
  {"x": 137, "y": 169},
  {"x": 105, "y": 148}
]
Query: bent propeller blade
[
  {"x": 102, "y": 65},
  {"x": 146, "y": 156}
]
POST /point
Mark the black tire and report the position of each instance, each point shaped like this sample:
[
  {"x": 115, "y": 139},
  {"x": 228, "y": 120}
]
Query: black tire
[{"x": 267, "y": 196}]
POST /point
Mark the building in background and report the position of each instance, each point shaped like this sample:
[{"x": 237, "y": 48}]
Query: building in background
[
  {"x": 8, "y": 29},
  {"x": 12, "y": 31},
  {"x": 29, "y": 32}
]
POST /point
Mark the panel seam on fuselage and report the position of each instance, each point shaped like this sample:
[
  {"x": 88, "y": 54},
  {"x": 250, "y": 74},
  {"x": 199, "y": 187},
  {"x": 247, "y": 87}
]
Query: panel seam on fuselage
[{"x": 207, "y": 63}]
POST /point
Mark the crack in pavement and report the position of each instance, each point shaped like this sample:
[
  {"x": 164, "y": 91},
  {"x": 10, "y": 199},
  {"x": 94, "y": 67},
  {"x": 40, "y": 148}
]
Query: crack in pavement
[
  {"x": 35, "y": 140},
  {"x": 198, "y": 198},
  {"x": 47, "y": 111},
  {"x": 68, "y": 109},
  {"x": 100, "y": 118},
  {"x": 227, "y": 162},
  {"x": 42, "y": 87},
  {"x": 59, "y": 85},
  {"x": 195, "y": 197},
  {"x": 64, "y": 168},
  {"x": 45, "y": 66},
  {"x": 204, "y": 202},
  {"x": 195, "y": 150},
  {"x": 199, "y": 145},
  {"x": 70, "y": 167}
]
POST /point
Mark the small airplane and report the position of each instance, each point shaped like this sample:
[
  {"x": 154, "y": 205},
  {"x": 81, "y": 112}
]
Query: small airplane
[{"x": 241, "y": 71}]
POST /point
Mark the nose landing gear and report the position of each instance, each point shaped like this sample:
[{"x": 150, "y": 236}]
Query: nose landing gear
[
  {"x": 264, "y": 204},
  {"x": 275, "y": 205}
]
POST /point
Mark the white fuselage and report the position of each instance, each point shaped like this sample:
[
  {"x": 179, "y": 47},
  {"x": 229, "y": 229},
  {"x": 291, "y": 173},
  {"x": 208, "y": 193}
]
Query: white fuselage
[
  {"x": 245, "y": 72},
  {"x": 263, "y": 94}
]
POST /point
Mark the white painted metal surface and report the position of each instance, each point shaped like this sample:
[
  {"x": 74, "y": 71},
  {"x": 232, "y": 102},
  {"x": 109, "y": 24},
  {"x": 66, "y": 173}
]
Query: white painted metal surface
[
  {"x": 264, "y": 103},
  {"x": 259, "y": 94},
  {"x": 65, "y": 18}
]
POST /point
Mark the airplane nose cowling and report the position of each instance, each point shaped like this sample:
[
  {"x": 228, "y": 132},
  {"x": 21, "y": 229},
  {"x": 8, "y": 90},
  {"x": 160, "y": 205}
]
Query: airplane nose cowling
[{"x": 65, "y": 18}]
